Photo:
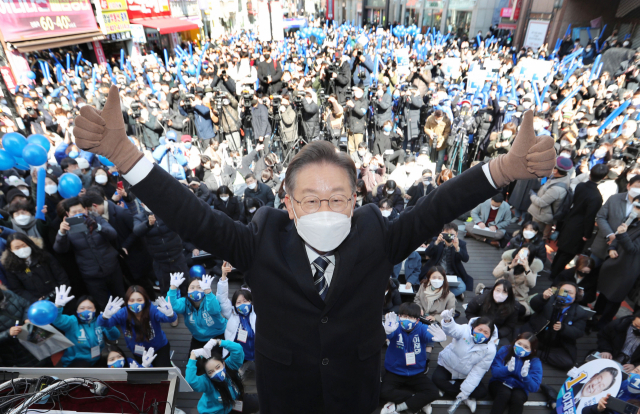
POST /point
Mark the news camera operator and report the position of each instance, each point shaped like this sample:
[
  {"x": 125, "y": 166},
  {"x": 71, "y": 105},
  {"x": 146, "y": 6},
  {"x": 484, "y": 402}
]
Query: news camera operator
[
  {"x": 150, "y": 128},
  {"x": 342, "y": 79},
  {"x": 361, "y": 66},
  {"x": 173, "y": 118},
  {"x": 222, "y": 81},
  {"x": 260, "y": 123},
  {"x": 414, "y": 103},
  {"x": 269, "y": 74},
  {"x": 226, "y": 110},
  {"x": 357, "y": 117},
  {"x": 204, "y": 120},
  {"x": 383, "y": 104},
  {"x": 288, "y": 131},
  {"x": 310, "y": 114}
]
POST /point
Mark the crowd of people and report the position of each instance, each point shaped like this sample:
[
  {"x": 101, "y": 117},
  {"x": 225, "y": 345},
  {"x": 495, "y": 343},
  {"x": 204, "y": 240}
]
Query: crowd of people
[{"x": 228, "y": 130}]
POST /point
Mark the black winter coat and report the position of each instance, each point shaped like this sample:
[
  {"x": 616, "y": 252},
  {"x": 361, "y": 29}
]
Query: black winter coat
[
  {"x": 232, "y": 207},
  {"x": 41, "y": 279},
  {"x": 310, "y": 119},
  {"x": 12, "y": 354},
  {"x": 612, "y": 337},
  {"x": 435, "y": 252},
  {"x": 385, "y": 142},
  {"x": 358, "y": 116},
  {"x": 164, "y": 244},
  {"x": 392, "y": 299},
  {"x": 536, "y": 246},
  {"x": 505, "y": 324},
  {"x": 274, "y": 70},
  {"x": 417, "y": 192},
  {"x": 581, "y": 219}
]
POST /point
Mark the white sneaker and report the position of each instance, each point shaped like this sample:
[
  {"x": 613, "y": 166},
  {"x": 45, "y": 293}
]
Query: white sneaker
[
  {"x": 471, "y": 403},
  {"x": 427, "y": 409},
  {"x": 389, "y": 408}
]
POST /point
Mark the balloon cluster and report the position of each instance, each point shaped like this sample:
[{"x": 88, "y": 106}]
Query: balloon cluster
[
  {"x": 21, "y": 152},
  {"x": 307, "y": 32},
  {"x": 401, "y": 31}
]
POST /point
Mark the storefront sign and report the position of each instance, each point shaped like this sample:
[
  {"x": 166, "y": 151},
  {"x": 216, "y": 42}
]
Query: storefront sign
[
  {"x": 462, "y": 4},
  {"x": 100, "y": 56},
  {"x": 148, "y": 8},
  {"x": 330, "y": 9},
  {"x": 116, "y": 37},
  {"x": 116, "y": 22},
  {"x": 7, "y": 75},
  {"x": 137, "y": 33},
  {"x": 35, "y": 19}
]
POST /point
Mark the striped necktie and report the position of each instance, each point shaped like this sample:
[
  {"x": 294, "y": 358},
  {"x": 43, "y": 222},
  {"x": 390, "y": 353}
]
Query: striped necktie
[{"x": 319, "y": 281}]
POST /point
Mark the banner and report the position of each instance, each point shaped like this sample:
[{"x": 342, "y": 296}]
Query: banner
[
  {"x": 137, "y": 33},
  {"x": 451, "y": 67},
  {"x": 35, "y": 19},
  {"x": 100, "y": 56},
  {"x": 264, "y": 21},
  {"x": 592, "y": 381},
  {"x": 148, "y": 8},
  {"x": 536, "y": 33},
  {"x": 528, "y": 68},
  {"x": 7, "y": 75},
  {"x": 330, "y": 12},
  {"x": 475, "y": 80},
  {"x": 277, "y": 21}
]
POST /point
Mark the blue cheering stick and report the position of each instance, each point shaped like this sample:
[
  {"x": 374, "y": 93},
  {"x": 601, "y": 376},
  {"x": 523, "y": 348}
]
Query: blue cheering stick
[
  {"x": 619, "y": 131},
  {"x": 179, "y": 73},
  {"x": 536, "y": 93},
  {"x": 59, "y": 70},
  {"x": 122, "y": 59},
  {"x": 594, "y": 67},
  {"x": 614, "y": 115},
  {"x": 153, "y": 89},
  {"x": 190, "y": 52},
  {"x": 93, "y": 80},
  {"x": 568, "y": 98},
  {"x": 73, "y": 97},
  {"x": 544, "y": 93},
  {"x": 68, "y": 62}
]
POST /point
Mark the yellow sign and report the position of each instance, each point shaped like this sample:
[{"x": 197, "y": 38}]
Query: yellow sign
[{"x": 115, "y": 22}]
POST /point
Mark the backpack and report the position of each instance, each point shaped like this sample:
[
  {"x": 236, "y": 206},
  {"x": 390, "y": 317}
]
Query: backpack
[{"x": 566, "y": 204}]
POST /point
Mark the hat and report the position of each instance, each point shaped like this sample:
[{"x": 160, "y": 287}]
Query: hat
[
  {"x": 612, "y": 88},
  {"x": 504, "y": 98},
  {"x": 564, "y": 164},
  {"x": 512, "y": 102},
  {"x": 185, "y": 138},
  {"x": 172, "y": 136},
  {"x": 13, "y": 193},
  {"x": 465, "y": 102},
  {"x": 83, "y": 164},
  {"x": 14, "y": 181}
]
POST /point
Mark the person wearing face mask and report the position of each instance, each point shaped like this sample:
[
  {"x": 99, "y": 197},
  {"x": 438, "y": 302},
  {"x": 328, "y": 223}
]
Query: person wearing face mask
[
  {"x": 515, "y": 372},
  {"x": 420, "y": 188},
  {"x": 620, "y": 270},
  {"x": 383, "y": 105},
  {"x": 434, "y": 294},
  {"x": 258, "y": 191},
  {"x": 140, "y": 322},
  {"x": 200, "y": 309},
  {"x": 601, "y": 155},
  {"x": 438, "y": 128},
  {"x": 23, "y": 221},
  {"x": 584, "y": 274},
  {"x": 500, "y": 143},
  {"x": 249, "y": 209},
  {"x": 31, "y": 271},
  {"x": 82, "y": 329},
  {"x": 269, "y": 74},
  {"x": 608, "y": 185},
  {"x": 362, "y": 156},
  {"x": 113, "y": 357},
  {"x": 358, "y": 107},
  {"x": 51, "y": 198},
  {"x": 494, "y": 215},
  {"x": 390, "y": 192},
  {"x": 463, "y": 363},
  {"x": 558, "y": 322},
  {"x": 577, "y": 226},
  {"x": 221, "y": 386},
  {"x": 260, "y": 123},
  {"x": 529, "y": 236},
  {"x": 613, "y": 213},
  {"x": 170, "y": 156},
  {"x": 200, "y": 190},
  {"x": 227, "y": 203},
  {"x": 102, "y": 178},
  {"x": 498, "y": 304},
  {"x": 228, "y": 121},
  {"x": 520, "y": 268},
  {"x": 620, "y": 341},
  {"x": 388, "y": 144},
  {"x": 214, "y": 177},
  {"x": 387, "y": 210},
  {"x": 405, "y": 384},
  {"x": 191, "y": 153}
]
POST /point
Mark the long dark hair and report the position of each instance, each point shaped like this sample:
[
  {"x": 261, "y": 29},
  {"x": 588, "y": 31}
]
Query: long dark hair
[
  {"x": 142, "y": 326},
  {"x": 445, "y": 285},
  {"x": 533, "y": 340},
  {"x": 484, "y": 320},
  {"x": 519, "y": 269},
  {"x": 491, "y": 308},
  {"x": 222, "y": 387},
  {"x": 104, "y": 355},
  {"x": 241, "y": 292},
  {"x": 13, "y": 263},
  {"x": 90, "y": 299},
  {"x": 223, "y": 189}
]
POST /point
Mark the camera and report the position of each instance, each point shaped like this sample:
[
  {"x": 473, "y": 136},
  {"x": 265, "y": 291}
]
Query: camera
[
  {"x": 362, "y": 75},
  {"x": 247, "y": 97},
  {"x": 332, "y": 68},
  {"x": 448, "y": 237},
  {"x": 187, "y": 103},
  {"x": 135, "y": 109},
  {"x": 276, "y": 101}
]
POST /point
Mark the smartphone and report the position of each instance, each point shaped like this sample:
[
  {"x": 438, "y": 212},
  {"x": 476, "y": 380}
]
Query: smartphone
[
  {"x": 619, "y": 406},
  {"x": 76, "y": 225},
  {"x": 120, "y": 186}
]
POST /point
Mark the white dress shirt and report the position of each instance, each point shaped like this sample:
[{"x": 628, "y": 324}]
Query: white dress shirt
[{"x": 328, "y": 272}]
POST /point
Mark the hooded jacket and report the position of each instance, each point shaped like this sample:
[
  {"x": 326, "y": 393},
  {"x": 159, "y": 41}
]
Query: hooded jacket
[
  {"x": 402, "y": 343},
  {"x": 205, "y": 322},
  {"x": 464, "y": 358},
  {"x": 548, "y": 199}
]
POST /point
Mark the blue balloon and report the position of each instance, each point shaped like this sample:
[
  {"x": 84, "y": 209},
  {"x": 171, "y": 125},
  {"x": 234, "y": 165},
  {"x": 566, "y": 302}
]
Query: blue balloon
[
  {"x": 40, "y": 140},
  {"x": 105, "y": 161},
  {"x": 6, "y": 160},
  {"x": 34, "y": 155},
  {"x": 197, "y": 271},
  {"x": 21, "y": 164},
  {"x": 14, "y": 142},
  {"x": 191, "y": 70},
  {"x": 69, "y": 185},
  {"x": 42, "y": 313},
  {"x": 31, "y": 75}
]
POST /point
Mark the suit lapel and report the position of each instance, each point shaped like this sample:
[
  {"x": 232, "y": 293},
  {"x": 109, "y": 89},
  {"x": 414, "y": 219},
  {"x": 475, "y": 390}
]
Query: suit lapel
[
  {"x": 346, "y": 256},
  {"x": 298, "y": 261}
]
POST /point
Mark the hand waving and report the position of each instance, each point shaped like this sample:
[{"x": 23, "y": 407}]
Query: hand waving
[
  {"x": 525, "y": 368},
  {"x": 176, "y": 279},
  {"x": 391, "y": 322},
  {"x": 530, "y": 156},
  {"x": 437, "y": 333},
  {"x": 164, "y": 307},
  {"x": 113, "y": 306},
  {"x": 62, "y": 296},
  {"x": 147, "y": 357},
  {"x": 205, "y": 283},
  {"x": 103, "y": 132},
  {"x": 512, "y": 364}
]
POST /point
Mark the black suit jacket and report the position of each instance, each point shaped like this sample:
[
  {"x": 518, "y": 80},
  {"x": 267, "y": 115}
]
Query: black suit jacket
[
  {"x": 314, "y": 356},
  {"x": 581, "y": 219},
  {"x": 417, "y": 192},
  {"x": 434, "y": 253},
  {"x": 611, "y": 339}
]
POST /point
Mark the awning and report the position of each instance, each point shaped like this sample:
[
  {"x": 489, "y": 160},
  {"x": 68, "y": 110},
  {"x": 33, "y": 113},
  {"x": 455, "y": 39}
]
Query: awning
[
  {"x": 166, "y": 25},
  {"x": 58, "y": 41}
]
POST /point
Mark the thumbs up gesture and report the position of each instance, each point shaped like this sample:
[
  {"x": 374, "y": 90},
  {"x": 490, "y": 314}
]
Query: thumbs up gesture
[
  {"x": 103, "y": 133},
  {"x": 530, "y": 156}
]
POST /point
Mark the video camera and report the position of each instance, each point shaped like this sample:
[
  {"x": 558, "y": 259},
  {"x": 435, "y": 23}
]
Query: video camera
[
  {"x": 276, "y": 101},
  {"x": 218, "y": 97},
  {"x": 187, "y": 103},
  {"x": 247, "y": 97},
  {"x": 362, "y": 75},
  {"x": 332, "y": 68},
  {"x": 135, "y": 109}
]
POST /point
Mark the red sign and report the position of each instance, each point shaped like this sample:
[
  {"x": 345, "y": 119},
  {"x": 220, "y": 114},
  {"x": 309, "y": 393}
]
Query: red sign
[
  {"x": 36, "y": 19},
  {"x": 148, "y": 8},
  {"x": 100, "y": 56},
  {"x": 7, "y": 75},
  {"x": 506, "y": 12},
  {"x": 508, "y": 26},
  {"x": 330, "y": 13},
  {"x": 516, "y": 13}
]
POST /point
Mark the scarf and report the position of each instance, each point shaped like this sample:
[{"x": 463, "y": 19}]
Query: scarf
[{"x": 29, "y": 229}]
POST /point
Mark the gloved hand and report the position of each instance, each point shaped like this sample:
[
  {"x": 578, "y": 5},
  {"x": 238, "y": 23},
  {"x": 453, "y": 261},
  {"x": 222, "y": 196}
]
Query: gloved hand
[
  {"x": 390, "y": 323},
  {"x": 103, "y": 133},
  {"x": 113, "y": 306},
  {"x": 573, "y": 372},
  {"x": 176, "y": 279},
  {"x": 209, "y": 345},
  {"x": 437, "y": 332},
  {"x": 62, "y": 296},
  {"x": 529, "y": 157},
  {"x": 512, "y": 364},
  {"x": 164, "y": 306},
  {"x": 147, "y": 357},
  {"x": 134, "y": 364},
  {"x": 202, "y": 352},
  {"x": 525, "y": 368},
  {"x": 447, "y": 315},
  {"x": 205, "y": 282}
]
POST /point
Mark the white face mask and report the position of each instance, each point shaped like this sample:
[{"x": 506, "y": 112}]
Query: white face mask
[
  {"x": 592, "y": 132},
  {"x": 564, "y": 143},
  {"x": 358, "y": 94},
  {"x": 23, "y": 253},
  {"x": 324, "y": 230},
  {"x": 22, "y": 219},
  {"x": 436, "y": 283},
  {"x": 217, "y": 170},
  {"x": 25, "y": 192},
  {"x": 494, "y": 207},
  {"x": 391, "y": 191},
  {"x": 51, "y": 189},
  {"x": 252, "y": 186},
  {"x": 385, "y": 213},
  {"x": 499, "y": 297},
  {"x": 599, "y": 153},
  {"x": 224, "y": 198},
  {"x": 101, "y": 179},
  {"x": 507, "y": 134},
  {"x": 526, "y": 105},
  {"x": 252, "y": 210},
  {"x": 529, "y": 234},
  {"x": 634, "y": 192},
  {"x": 564, "y": 155}
]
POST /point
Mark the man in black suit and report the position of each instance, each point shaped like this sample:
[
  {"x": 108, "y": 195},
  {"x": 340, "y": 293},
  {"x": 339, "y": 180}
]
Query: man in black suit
[
  {"x": 318, "y": 271},
  {"x": 420, "y": 188}
]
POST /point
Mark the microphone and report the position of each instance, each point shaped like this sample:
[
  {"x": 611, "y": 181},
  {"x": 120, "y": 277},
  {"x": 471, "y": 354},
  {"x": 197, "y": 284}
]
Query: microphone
[{"x": 630, "y": 219}]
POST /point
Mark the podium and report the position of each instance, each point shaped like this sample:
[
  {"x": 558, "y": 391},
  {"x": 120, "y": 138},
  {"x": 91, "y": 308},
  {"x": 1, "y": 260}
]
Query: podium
[{"x": 91, "y": 390}]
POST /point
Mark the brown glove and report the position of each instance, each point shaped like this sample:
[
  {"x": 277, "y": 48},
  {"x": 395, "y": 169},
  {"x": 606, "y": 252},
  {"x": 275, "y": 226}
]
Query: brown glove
[
  {"x": 103, "y": 133},
  {"x": 530, "y": 156}
]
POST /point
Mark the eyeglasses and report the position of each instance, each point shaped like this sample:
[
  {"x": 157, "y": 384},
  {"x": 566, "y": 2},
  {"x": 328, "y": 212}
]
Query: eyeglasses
[{"x": 311, "y": 204}]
